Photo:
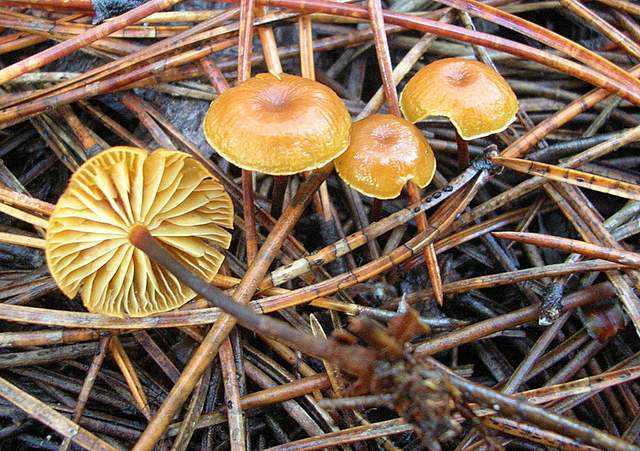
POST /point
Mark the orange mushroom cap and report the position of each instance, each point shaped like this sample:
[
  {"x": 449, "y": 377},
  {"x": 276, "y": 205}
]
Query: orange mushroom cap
[
  {"x": 475, "y": 98},
  {"x": 278, "y": 125},
  {"x": 385, "y": 152},
  {"x": 170, "y": 193}
]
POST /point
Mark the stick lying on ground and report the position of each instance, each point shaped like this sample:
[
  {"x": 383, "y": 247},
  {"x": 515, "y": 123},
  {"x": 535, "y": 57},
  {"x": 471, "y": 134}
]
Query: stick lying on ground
[
  {"x": 579, "y": 247},
  {"x": 359, "y": 360}
]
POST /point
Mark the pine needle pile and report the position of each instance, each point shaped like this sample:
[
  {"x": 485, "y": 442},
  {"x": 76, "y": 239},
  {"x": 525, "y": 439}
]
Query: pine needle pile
[{"x": 173, "y": 299}]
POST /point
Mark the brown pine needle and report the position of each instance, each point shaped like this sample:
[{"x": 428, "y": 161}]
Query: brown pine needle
[
  {"x": 67, "y": 47},
  {"x": 333, "y": 372},
  {"x": 575, "y": 246},
  {"x": 25, "y": 202},
  {"x": 571, "y": 176},
  {"x": 42, "y": 412},
  {"x": 22, "y": 240},
  {"x": 130, "y": 375},
  {"x": 391, "y": 96},
  {"x": 21, "y": 215},
  {"x": 580, "y": 386}
]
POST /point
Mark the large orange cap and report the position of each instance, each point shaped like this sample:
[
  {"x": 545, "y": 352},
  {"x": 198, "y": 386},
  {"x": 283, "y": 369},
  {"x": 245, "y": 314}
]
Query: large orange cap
[
  {"x": 475, "y": 98},
  {"x": 385, "y": 152},
  {"x": 278, "y": 124},
  {"x": 169, "y": 192}
]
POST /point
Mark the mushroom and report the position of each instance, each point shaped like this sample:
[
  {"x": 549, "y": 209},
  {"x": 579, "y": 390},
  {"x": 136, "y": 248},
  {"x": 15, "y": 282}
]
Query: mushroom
[
  {"x": 475, "y": 98},
  {"x": 278, "y": 124},
  {"x": 167, "y": 192},
  {"x": 385, "y": 152}
]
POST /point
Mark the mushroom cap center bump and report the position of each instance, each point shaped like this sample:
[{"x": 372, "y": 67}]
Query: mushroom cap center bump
[
  {"x": 385, "y": 152},
  {"x": 278, "y": 125},
  {"x": 475, "y": 98}
]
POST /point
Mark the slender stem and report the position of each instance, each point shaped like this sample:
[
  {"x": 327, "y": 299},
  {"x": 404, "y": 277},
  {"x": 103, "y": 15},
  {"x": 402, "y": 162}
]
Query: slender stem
[
  {"x": 201, "y": 358},
  {"x": 248, "y": 200},
  {"x": 463, "y": 153},
  {"x": 376, "y": 210},
  {"x": 346, "y": 357},
  {"x": 278, "y": 192}
]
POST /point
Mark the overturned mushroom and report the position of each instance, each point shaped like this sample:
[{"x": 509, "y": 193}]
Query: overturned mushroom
[{"x": 169, "y": 193}]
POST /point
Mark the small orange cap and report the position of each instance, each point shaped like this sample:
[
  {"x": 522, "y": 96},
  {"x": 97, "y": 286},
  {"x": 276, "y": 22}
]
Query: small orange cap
[
  {"x": 385, "y": 152},
  {"x": 278, "y": 124},
  {"x": 475, "y": 98},
  {"x": 168, "y": 192}
]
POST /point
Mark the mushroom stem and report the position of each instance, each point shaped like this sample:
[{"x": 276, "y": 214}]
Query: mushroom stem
[
  {"x": 463, "y": 152},
  {"x": 280, "y": 183},
  {"x": 354, "y": 359},
  {"x": 248, "y": 206},
  {"x": 376, "y": 209}
]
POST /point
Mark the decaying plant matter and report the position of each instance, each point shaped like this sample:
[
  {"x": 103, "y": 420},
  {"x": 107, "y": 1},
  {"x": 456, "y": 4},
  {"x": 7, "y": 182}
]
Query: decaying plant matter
[
  {"x": 424, "y": 393},
  {"x": 239, "y": 291}
]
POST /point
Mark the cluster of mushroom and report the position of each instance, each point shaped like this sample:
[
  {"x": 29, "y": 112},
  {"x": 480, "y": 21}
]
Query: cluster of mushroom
[
  {"x": 281, "y": 124},
  {"x": 277, "y": 124}
]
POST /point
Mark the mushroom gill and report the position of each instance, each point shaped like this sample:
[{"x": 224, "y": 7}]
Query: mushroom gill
[{"x": 166, "y": 191}]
